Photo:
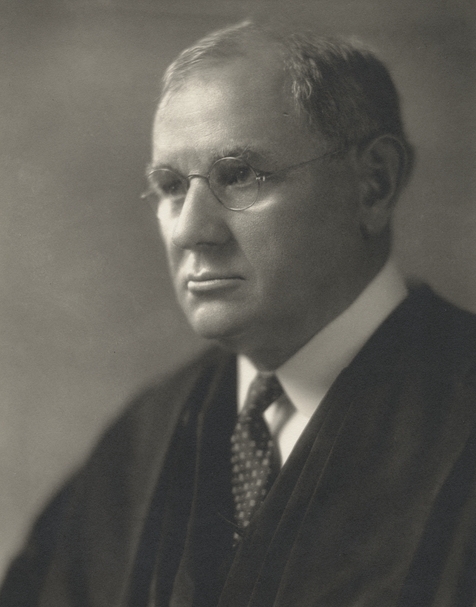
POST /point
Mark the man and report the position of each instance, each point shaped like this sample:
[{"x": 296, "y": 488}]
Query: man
[{"x": 346, "y": 475}]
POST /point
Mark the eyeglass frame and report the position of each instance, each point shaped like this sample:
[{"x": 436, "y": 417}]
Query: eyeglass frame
[{"x": 260, "y": 176}]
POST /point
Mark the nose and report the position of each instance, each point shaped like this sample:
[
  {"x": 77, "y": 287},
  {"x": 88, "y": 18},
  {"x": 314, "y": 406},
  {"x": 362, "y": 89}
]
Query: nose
[{"x": 200, "y": 221}]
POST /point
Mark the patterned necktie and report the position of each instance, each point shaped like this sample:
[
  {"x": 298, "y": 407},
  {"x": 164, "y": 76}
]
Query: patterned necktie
[{"x": 255, "y": 460}]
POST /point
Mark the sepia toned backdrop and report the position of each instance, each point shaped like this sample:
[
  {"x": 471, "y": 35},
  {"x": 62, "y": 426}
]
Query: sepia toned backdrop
[{"x": 87, "y": 315}]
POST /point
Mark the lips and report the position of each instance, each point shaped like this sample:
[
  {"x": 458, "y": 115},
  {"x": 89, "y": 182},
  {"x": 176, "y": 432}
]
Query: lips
[{"x": 206, "y": 282}]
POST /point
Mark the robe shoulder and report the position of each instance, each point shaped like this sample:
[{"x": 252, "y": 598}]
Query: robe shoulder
[{"x": 104, "y": 503}]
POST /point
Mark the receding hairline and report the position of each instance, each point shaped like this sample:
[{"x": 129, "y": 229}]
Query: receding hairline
[
  {"x": 267, "y": 52},
  {"x": 261, "y": 56},
  {"x": 243, "y": 40}
]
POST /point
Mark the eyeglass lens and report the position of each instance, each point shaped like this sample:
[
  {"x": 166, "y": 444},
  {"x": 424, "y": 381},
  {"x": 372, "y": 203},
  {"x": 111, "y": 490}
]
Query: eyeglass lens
[{"x": 231, "y": 180}]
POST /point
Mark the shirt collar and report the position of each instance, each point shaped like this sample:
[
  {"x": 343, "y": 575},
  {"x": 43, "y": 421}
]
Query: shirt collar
[{"x": 308, "y": 374}]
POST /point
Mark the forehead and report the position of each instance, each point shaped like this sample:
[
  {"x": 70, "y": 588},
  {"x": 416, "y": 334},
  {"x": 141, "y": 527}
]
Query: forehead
[{"x": 243, "y": 104}]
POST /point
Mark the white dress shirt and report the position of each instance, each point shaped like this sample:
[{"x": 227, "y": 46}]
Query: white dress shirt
[{"x": 307, "y": 376}]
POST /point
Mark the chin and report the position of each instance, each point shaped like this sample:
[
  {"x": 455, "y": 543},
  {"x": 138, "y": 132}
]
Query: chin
[
  {"x": 215, "y": 330},
  {"x": 218, "y": 324}
]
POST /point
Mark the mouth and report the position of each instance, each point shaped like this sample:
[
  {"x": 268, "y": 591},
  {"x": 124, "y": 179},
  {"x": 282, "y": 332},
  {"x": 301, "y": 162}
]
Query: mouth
[{"x": 206, "y": 282}]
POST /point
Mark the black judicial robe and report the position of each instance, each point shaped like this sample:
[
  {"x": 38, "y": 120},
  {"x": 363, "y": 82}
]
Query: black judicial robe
[{"x": 376, "y": 506}]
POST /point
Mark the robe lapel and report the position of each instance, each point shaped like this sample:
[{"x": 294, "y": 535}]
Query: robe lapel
[{"x": 208, "y": 543}]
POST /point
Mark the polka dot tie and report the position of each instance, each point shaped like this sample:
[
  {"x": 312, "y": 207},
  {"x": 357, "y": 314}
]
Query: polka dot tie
[{"x": 255, "y": 460}]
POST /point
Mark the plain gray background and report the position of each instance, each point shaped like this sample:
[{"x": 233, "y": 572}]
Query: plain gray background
[{"x": 87, "y": 315}]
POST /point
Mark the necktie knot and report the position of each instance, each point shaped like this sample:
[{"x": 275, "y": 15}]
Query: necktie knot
[{"x": 263, "y": 391}]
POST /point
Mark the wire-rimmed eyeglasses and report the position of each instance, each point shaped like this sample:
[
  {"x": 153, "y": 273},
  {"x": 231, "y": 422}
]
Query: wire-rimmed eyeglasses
[{"x": 234, "y": 182}]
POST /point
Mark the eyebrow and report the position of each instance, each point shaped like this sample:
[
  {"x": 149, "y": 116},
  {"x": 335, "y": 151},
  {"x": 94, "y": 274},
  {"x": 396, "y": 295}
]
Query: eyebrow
[{"x": 254, "y": 156}]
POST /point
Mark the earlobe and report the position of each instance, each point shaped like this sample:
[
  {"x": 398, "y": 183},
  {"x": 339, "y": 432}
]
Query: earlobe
[{"x": 383, "y": 166}]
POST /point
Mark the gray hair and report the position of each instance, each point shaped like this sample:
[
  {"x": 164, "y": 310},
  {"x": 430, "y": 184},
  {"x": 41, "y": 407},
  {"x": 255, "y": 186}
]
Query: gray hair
[{"x": 341, "y": 88}]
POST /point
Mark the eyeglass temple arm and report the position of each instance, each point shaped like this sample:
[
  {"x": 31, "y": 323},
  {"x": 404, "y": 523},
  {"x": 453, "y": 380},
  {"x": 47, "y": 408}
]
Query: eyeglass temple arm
[{"x": 264, "y": 177}]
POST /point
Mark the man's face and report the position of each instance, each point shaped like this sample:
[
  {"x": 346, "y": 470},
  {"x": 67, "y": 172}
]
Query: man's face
[{"x": 262, "y": 280}]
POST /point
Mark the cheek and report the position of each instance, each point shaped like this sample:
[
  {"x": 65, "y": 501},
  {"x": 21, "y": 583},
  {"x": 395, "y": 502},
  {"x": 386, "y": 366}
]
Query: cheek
[
  {"x": 298, "y": 239},
  {"x": 279, "y": 230},
  {"x": 165, "y": 221},
  {"x": 272, "y": 244},
  {"x": 166, "y": 224}
]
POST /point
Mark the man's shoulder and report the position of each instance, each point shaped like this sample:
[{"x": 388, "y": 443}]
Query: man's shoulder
[
  {"x": 453, "y": 326},
  {"x": 155, "y": 410},
  {"x": 177, "y": 384},
  {"x": 437, "y": 331},
  {"x": 148, "y": 422},
  {"x": 136, "y": 442},
  {"x": 426, "y": 338}
]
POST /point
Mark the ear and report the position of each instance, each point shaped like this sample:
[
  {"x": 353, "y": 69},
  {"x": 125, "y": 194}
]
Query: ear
[{"x": 383, "y": 167}]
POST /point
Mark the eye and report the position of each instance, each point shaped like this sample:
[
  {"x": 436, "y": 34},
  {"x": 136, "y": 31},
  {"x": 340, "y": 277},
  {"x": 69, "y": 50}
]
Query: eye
[
  {"x": 232, "y": 173},
  {"x": 168, "y": 184}
]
